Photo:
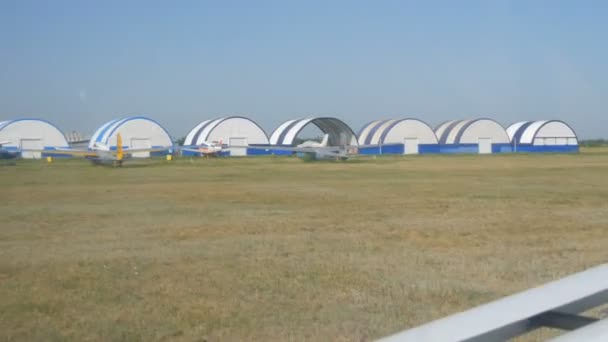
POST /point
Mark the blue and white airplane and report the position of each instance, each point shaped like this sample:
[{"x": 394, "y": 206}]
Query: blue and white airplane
[{"x": 5, "y": 153}]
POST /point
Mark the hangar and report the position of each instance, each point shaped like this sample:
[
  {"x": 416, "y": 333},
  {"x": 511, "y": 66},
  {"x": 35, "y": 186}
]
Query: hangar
[
  {"x": 34, "y": 134},
  {"x": 235, "y": 131},
  {"x": 340, "y": 134},
  {"x": 542, "y": 136},
  {"x": 472, "y": 136},
  {"x": 136, "y": 132},
  {"x": 399, "y": 136}
]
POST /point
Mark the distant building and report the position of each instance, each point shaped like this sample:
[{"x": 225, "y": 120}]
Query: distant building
[
  {"x": 77, "y": 140},
  {"x": 338, "y": 132},
  {"x": 31, "y": 134},
  {"x": 542, "y": 136},
  {"x": 76, "y": 137},
  {"x": 236, "y": 132},
  {"x": 472, "y": 136},
  {"x": 135, "y": 131},
  {"x": 397, "y": 136}
]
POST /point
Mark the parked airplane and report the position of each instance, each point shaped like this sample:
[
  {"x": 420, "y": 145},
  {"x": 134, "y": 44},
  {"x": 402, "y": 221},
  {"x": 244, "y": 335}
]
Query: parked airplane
[
  {"x": 312, "y": 149},
  {"x": 206, "y": 149},
  {"x": 5, "y": 153},
  {"x": 312, "y": 143},
  {"x": 103, "y": 154}
]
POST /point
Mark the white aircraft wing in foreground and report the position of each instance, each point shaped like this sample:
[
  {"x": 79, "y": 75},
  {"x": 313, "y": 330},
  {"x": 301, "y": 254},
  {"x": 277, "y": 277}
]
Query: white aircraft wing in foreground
[
  {"x": 556, "y": 305},
  {"x": 594, "y": 332}
]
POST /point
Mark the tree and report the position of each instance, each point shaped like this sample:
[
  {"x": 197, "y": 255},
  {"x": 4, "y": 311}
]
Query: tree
[{"x": 180, "y": 141}]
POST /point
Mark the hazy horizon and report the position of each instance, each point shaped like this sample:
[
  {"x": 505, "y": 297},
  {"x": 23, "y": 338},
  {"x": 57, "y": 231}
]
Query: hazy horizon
[{"x": 80, "y": 64}]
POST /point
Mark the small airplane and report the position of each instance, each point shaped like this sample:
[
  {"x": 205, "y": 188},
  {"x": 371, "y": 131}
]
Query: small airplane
[
  {"x": 206, "y": 149},
  {"x": 5, "y": 153},
  {"x": 103, "y": 154},
  {"x": 312, "y": 149}
]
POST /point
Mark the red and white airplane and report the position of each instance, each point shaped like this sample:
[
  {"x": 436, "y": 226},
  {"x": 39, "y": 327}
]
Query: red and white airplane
[{"x": 206, "y": 149}]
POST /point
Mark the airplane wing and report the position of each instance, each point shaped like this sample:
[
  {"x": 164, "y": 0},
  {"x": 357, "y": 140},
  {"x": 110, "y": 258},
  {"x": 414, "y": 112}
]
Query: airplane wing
[
  {"x": 197, "y": 150},
  {"x": 136, "y": 150},
  {"x": 295, "y": 148},
  {"x": 81, "y": 153},
  {"x": 66, "y": 151},
  {"x": 4, "y": 142},
  {"x": 594, "y": 332},
  {"x": 94, "y": 153},
  {"x": 557, "y": 304}
]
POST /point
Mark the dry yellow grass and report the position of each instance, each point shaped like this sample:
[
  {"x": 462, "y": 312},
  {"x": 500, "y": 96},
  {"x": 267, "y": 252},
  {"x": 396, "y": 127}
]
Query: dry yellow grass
[{"x": 278, "y": 249}]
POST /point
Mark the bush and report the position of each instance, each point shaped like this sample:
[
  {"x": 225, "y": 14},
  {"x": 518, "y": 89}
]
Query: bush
[{"x": 594, "y": 142}]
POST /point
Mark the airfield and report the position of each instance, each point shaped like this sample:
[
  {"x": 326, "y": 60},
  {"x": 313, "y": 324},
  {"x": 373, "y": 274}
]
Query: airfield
[{"x": 275, "y": 248}]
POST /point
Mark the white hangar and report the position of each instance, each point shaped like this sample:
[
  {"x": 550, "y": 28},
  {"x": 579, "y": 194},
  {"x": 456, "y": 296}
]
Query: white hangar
[
  {"x": 33, "y": 134},
  {"x": 542, "y": 136},
  {"x": 399, "y": 136},
  {"x": 340, "y": 134},
  {"x": 472, "y": 136},
  {"x": 136, "y": 132},
  {"x": 236, "y": 132}
]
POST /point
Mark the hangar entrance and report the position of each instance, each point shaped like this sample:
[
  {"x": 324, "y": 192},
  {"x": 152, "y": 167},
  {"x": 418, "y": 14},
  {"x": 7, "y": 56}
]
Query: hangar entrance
[
  {"x": 410, "y": 146},
  {"x": 31, "y": 144},
  {"x": 140, "y": 143},
  {"x": 485, "y": 146},
  {"x": 296, "y": 132},
  {"x": 309, "y": 133},
  {"x": 238, "y": 147}
]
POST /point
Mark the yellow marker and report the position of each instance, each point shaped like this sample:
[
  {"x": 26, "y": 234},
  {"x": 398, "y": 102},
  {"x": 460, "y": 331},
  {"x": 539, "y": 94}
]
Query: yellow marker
[
  {"x": 119, "y": 152},
  {"x": 169, "y": 157},
  {"x": 49, "y": 159}
]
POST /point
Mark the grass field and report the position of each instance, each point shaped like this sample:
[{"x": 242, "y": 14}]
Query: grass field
[{"x": 278, "y": 249}]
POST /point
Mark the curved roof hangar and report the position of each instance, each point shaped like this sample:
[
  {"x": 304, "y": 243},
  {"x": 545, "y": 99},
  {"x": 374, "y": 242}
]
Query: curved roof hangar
[{"x": 339, "y": 132}]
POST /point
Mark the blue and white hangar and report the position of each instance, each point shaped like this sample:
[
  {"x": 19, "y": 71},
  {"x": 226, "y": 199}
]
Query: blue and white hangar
[
  {"x": 31, "y": 134},
  {"x": 236, "y": 132},
  {"x": 397, "y": 136},
  {"x": 482, "y": 136},
  {"x": 136, "y": 132},
  {"x": 542, "y": 136},
  {"x": 339, "y": 133}
]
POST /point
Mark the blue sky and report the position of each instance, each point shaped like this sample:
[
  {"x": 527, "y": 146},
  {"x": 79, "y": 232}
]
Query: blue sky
[{"x": 81, "y": 63}]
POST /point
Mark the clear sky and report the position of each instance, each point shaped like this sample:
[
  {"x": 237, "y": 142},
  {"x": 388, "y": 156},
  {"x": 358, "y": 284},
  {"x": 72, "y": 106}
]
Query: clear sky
[{"x": 81, "y": 63}]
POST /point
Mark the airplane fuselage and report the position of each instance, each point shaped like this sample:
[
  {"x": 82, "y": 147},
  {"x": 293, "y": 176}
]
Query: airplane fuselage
[
  {"x": 4, "y": 154},
  {"x": 325, "y": 155}
]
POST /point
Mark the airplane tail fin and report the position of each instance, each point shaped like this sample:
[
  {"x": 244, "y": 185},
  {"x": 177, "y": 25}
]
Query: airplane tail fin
[
  {"x": 325, "y": 140},
  {"x": 119, "y": 151}
]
